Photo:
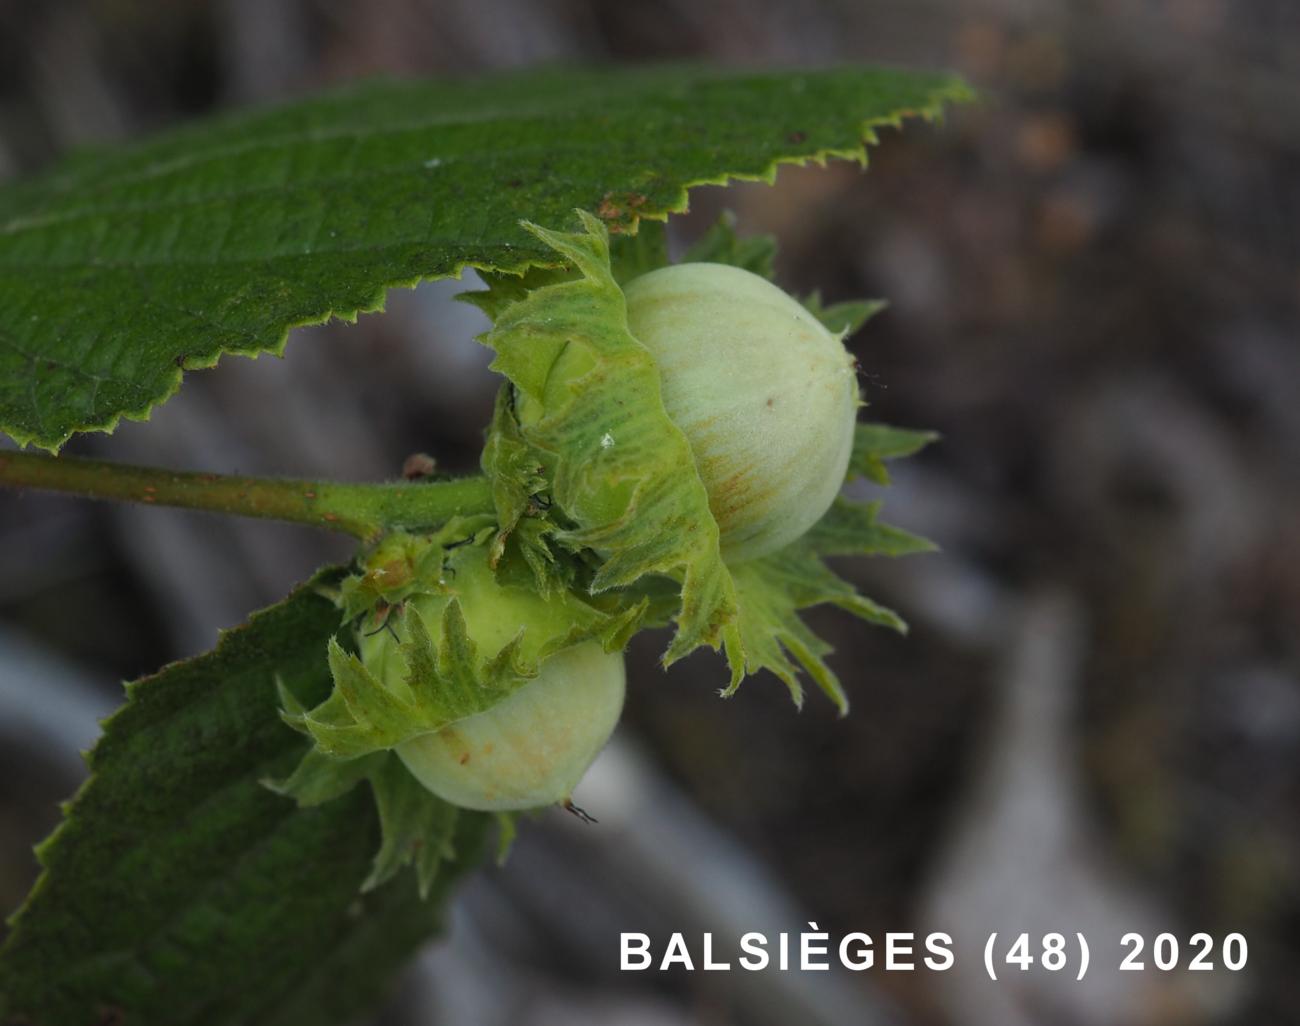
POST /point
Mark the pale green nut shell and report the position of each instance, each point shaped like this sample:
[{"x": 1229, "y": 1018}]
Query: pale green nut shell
[
  {"x": 533, "y": 748},
  {"x": 765, "y": 395}
]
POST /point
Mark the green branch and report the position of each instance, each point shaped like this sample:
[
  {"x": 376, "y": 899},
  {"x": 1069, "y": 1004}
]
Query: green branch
[{"x": 363, "y": 510}]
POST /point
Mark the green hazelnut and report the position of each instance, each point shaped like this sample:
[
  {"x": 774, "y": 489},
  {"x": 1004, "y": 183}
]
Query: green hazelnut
[
  {"x": 531, "y": 748},
  {"x": 764, "y": 393},
  {"x": 534, "y": 747}
]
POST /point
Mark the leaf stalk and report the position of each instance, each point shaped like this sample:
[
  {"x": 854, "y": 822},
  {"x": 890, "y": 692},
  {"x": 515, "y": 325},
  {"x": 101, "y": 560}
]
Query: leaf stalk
[{"x": 362, "y": 510}]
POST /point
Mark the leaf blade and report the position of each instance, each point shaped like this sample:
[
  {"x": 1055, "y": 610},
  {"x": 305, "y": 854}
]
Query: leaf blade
[
  {"x": 120, "y": 269},
  {"x": 176, "y": 890}
]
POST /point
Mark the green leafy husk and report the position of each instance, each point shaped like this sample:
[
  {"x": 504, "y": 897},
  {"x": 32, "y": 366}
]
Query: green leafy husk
[{"x": 563, "y": 477}]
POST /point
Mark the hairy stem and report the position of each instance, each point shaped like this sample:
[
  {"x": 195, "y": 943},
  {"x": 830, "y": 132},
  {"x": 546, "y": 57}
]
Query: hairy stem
[{"x": 363, "y": 510}]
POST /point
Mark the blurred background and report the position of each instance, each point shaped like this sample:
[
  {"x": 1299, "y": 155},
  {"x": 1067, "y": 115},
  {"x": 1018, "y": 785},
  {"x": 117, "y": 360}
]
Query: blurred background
[{"x": 1095, "y": 723}]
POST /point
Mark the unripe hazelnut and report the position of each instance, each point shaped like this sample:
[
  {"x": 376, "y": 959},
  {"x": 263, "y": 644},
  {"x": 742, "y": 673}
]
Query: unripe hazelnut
[
  {"x": 531, "y": 748},
  {"x": 764, "y": 393}
]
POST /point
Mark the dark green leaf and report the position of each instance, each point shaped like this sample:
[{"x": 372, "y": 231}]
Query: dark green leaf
[
  {"x": 180, "y": 890},
  {"x": 119, "y": 269}
]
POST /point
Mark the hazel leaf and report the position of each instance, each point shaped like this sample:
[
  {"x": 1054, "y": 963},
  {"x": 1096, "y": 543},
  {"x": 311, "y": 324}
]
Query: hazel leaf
[
  {"x": 120, "y": 270},
  {"x": 179, "y": 889}
]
